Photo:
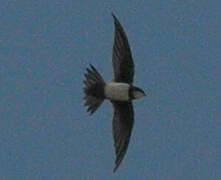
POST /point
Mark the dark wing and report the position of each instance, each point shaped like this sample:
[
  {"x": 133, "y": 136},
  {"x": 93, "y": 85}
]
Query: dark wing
[
  {"x": 123, "y": 121},
  {"x": 122, "y": 58}
]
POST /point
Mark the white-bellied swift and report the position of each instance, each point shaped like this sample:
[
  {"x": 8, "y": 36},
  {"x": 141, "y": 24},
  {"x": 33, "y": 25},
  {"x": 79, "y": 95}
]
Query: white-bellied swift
[{"x": 120, "y": 91}]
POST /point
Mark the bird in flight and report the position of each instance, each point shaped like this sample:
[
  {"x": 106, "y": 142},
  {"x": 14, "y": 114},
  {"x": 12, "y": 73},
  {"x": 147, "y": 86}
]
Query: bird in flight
[{"x": 120, "y": 92}]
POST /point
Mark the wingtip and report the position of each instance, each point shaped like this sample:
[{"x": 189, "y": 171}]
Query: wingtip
[
  {"x": 113, "y": 15},
  {"x": 115, "y": 169}
]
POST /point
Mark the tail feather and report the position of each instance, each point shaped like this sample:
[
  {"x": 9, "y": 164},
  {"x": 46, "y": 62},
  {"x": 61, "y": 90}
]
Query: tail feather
[{"x": 94, "y": 89}]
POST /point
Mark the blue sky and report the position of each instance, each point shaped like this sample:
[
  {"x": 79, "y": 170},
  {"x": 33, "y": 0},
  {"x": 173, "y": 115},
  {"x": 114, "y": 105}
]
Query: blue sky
[{"x": 45, "y": 132}]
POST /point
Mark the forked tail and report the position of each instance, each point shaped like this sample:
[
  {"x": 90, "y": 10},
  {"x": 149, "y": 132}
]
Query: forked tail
[{"x": 94, "y": 89}]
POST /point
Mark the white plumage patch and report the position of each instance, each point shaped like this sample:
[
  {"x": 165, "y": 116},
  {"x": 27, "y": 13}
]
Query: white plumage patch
[
  {"x": 138, "y": 94},
  {"x": 117, "y": 91}
]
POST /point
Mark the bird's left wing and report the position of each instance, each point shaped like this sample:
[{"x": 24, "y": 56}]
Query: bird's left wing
[{"x": 123, "y": 121}]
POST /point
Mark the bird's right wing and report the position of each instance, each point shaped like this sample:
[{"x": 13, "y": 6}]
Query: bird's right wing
[
  {"x": 122, "y": 58},
  {"x": 122, "y": 127}
]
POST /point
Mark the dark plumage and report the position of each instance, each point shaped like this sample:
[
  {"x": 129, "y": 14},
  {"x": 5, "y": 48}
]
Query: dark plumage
[
  {"x": 123, "y": 72},
  {"x": 122, "y": 57},
  {"x": 94, "y": 89},
  {"x": 120, "y": 92},
  {"x": 123, "y": 121}
]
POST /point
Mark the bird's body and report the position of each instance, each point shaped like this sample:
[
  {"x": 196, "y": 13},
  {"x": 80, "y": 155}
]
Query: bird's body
[
  {"x": 120, "y": 92},
  {"x": 117, "y": 91}
]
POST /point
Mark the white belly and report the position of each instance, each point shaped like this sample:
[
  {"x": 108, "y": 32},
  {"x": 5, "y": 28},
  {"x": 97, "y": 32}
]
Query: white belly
[{"x": 117, "y": 91}]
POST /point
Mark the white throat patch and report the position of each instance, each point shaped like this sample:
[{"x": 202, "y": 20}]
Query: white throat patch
[
  {"x": 138, "y": 94},
  {"x": 117, "y": 91}
]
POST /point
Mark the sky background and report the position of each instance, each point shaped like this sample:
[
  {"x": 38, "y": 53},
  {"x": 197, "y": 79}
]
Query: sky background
[{"x": 46, "y": 133}]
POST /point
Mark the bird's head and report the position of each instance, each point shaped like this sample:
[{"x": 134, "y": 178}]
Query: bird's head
[{"x": 137, "y": 93}]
